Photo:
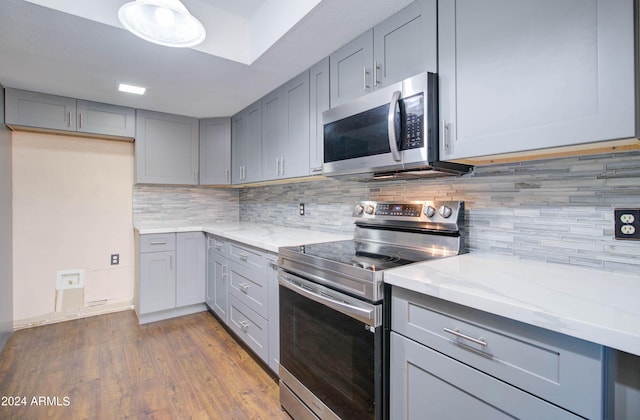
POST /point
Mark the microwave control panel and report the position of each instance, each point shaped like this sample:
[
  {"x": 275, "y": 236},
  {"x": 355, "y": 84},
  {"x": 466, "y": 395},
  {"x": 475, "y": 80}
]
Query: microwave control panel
[{"x": 413, "y": 122}]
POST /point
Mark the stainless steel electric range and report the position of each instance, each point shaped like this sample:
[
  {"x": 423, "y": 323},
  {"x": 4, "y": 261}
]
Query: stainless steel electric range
[{"x": 333, "y": 361}]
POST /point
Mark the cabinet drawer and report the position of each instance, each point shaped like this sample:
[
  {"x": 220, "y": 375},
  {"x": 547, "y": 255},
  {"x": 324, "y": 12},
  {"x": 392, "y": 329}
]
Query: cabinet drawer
[
  {"x": 426, "y": 384},
  {"x": 219, "y": 245},
  {"x": 246, "y": 256},
  {"x": 158, "y": 242},
  {"x": 249, "y": 287},
  {"x": 560, "y": 369},
  {"x": 250, "y": 327}
]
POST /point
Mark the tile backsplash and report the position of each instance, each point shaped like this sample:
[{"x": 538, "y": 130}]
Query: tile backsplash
[{"x": 557, "y": 210}]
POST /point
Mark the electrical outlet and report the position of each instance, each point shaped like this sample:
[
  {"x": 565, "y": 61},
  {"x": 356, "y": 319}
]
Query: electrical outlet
[
  {"x": 115, "y": 259},
  {"x": 301, "y": 209},
  {"x": 627, "y": 224}
]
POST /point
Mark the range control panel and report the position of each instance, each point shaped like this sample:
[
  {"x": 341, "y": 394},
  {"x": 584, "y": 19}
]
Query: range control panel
[{"x": 415, "y": 211}]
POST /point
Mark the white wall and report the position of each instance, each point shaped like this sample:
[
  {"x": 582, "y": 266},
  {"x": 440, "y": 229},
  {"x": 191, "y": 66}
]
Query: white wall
[
  {"x": 72, "y": 200},
  {"x": 6, "y": 279}
]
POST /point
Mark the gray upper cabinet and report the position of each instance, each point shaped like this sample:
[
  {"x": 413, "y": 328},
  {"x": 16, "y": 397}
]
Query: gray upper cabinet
[
  {"x": 215, "y": 151},
  {"x": 166, "y": 149},
  {"x": 318, "y": 103},
  {"x": 246, "y": 137},
  {"x": 99, "y": 118},
  {"x": 401, "y": 46},
  {"x": 527, "y": 75},
  {"x": 351, "y": 69},
  {"x": 285, "y": 130},
  {"x": 51, "y": 112}
]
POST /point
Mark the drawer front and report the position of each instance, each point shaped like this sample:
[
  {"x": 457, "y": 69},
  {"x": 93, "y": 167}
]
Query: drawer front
[
  {"x": 426, "y": 384},
  {"x": 158, "y": 242},
  {"x": 560, "y": 369},
  {"x": 246, "y": 256},
  {"x": 249, "y": 287},
  {"x": 219, "y": 245},
  {"x": 250, "y": 327}
]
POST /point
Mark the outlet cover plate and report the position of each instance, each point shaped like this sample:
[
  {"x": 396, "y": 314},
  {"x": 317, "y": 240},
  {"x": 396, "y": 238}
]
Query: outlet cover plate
[{"x": 627, "y": 224}]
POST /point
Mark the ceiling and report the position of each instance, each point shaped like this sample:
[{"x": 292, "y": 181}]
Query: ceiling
[{"x": 79, "y": 49}]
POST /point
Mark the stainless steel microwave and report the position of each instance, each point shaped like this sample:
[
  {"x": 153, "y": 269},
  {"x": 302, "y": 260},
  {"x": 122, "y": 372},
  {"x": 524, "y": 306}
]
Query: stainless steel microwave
[{"x": 390, "y": 132}]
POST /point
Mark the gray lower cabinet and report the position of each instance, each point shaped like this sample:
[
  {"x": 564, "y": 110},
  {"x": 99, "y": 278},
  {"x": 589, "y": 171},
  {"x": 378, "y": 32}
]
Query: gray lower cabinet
[
  {"x": 474, "y": 362},
  {"x": 166, "y": 149},
  {"x": 170, "y": 278},
  {"x": 218, "y": 277},
  {"x": 215, "y": 151},
  {"x": 399, "y": 47},
  {"x": 191, "y": 264},
  {"x": 59, "y": 113},
  {"x": 242, "y": 290},
  {"x": 529, "y": 75},
  {"x": 318, "y": 103}
]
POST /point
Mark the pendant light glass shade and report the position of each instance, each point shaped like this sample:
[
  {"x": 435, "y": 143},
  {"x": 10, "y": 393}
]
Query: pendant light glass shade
[{"x": 163, "y": 22}]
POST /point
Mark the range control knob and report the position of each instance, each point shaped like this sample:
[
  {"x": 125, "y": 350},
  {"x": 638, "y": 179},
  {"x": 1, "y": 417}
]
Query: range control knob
[
  {"x": 429, "y": 211},
  {"x": 445, "y": 211},
  {"x": 359, "y": 209},
  {"x": 369, "y": 209}
]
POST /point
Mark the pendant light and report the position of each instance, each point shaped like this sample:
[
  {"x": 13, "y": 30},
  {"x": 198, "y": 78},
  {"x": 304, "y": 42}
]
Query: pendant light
[{"x": 163, "y": 22}]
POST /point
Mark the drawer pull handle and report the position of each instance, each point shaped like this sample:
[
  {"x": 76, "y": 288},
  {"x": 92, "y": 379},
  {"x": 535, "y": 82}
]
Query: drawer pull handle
[
  {"x": 158, "y": 242},
  {"x": 244, "y": 257},
  {"x": 480, "y": 341},
  {"x": 244, "y": 325},
  {"x": 244, "y": 287}
]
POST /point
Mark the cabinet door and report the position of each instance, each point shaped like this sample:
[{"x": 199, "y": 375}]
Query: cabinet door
[
  {"x": 157, "y": 282},
  {"x": 253, "y": 151},
  {"x": 166, "y": 149},
  {"x": 273, "y": 132},
  {"x": 215, "y": 151},
  {"x": 105, "y": 119},
  {"x": 318, "y": 103},
  {"x": 31, "y": 109},
  {"x": 405, "y": 44},
  {"x": 220, "y": 272},
  {"x": 273, "y": 305},
  {"x": 517, "y": 76},
  {"x": 295, "y": 147},
  {"x": 427, "y": 384},
  {"x": 351, "y": 72},
  {"x": 190, "y": 283}
]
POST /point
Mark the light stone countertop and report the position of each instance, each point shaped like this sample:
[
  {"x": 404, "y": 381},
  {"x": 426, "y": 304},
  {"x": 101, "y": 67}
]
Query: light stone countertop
[
  {"x": 593, "y": 305},
  {"x": 263, "y": 236}
]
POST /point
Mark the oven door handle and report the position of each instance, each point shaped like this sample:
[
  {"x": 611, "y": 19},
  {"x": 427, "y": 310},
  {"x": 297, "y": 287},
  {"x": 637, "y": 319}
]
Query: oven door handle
[
  {"x": 391, "y": 126},
  {"x": 369, "y": 316}
]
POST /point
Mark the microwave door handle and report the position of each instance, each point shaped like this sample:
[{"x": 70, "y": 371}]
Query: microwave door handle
[{"x": 391, "y": 126}]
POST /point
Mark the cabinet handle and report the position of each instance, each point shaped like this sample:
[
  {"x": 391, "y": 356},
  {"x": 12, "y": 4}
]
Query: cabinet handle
[
  {"x": 243, "y": 256},
  {"x": 80, "y": 119},
  {"x": 316, "y": 170},
  {"x": 445, "y": 135},
  {"x": 171, "y": 262},
  {"x": 278, "y": 166},
  {"x": 376, "y": 67},
  {"x": 244, "y": 288},
  {"x": 225, "y": 271},
  {"x": 158, "y": 243},
  {"x": 69, "y": 116},
  {"x": 217, "y": 244},
  {"x": 364, "y": 78},
  {"x": 244, "y": 325},
  {"x": 282, "y": 160},
  {"x": 226, "y": 174},
  {"x": 480, "y": 341}
]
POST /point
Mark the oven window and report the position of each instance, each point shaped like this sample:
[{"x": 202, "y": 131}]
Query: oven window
[{"x": 330, "y": 353}]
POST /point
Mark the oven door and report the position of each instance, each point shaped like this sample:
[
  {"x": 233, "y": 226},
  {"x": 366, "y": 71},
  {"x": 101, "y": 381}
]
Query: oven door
[{"x": 330, "y": 351}]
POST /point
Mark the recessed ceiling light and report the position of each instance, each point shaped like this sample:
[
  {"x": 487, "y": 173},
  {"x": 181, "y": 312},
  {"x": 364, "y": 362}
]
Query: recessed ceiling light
[
  {"x": 131, "y": 89},
  {"x": 163, "y": 22}
]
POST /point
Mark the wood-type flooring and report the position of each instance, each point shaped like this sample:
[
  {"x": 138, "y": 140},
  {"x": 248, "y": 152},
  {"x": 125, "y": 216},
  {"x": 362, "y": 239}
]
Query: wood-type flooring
[{"x": 109, "y": 367}]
